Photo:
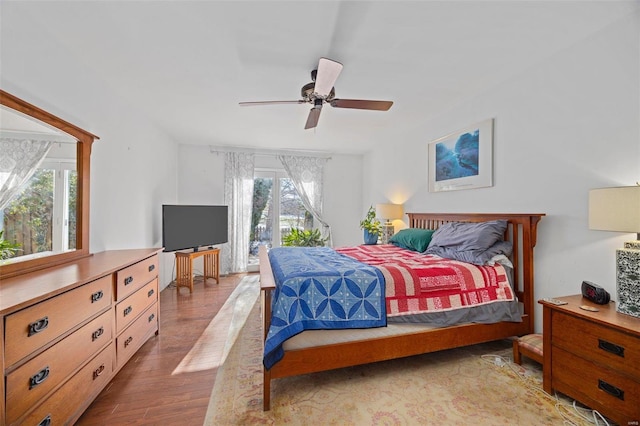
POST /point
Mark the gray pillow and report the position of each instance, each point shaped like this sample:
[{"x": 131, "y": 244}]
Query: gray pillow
[
  {"x": 466, "y": 236},
  {"x": 477, "y": 256}
]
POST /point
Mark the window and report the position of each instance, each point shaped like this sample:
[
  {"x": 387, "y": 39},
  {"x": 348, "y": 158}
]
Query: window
[
  {"x": 276, "y": 206},
  {"x": 41, "y": 218}
]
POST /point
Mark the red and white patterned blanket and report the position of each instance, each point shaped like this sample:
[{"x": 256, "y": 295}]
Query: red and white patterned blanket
[{"x": 418, "y": 283}]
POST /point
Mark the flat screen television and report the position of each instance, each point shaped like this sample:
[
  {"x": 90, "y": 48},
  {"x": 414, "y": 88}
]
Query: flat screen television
[{"x": 192, "y": 227}]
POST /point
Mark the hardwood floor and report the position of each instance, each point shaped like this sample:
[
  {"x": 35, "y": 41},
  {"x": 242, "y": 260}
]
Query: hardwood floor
[{"x": 145, "y": 391}]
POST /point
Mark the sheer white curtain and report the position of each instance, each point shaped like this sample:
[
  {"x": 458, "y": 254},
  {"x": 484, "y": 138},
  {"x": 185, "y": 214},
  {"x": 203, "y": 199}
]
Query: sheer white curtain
[
  {"x": 307, "y": 175},
  {"x": 238, "y": 195},
  {"x": 19, "y": 159}
]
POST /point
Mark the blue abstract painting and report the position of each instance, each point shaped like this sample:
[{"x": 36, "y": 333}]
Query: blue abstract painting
[{"x": 458, "y": 158}]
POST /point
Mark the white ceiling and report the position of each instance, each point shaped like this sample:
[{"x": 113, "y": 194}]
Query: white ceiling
[{"x": 187, "y": 64}]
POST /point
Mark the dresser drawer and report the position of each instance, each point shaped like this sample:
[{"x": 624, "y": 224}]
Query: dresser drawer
[
  {"x": 35, "y": 326},
  {"x": 68, "y": 402},
  {"x": 138, "y": 332},
  {"x": 613, "y": 394},
  {"x": 605, "y": 345},
  {"x": 131, "y": 307},
  {"x": 36, "y": 378},
  {"x": 135, "y": 276}
]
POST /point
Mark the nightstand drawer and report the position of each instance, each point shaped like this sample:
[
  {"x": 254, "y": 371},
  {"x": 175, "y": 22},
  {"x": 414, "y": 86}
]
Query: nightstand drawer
[
  {"x": 596, "y": 386},
  {"x": 597, "y": 343}
]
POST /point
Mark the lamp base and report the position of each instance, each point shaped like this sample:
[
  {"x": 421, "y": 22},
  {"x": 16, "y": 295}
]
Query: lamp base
[
  {"x": 387, "y": 233},
  {"x": 628, "y": 279}
]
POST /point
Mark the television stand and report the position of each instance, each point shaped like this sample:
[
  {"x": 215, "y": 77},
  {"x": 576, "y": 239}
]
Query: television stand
[{"x": 184, "y": 267}]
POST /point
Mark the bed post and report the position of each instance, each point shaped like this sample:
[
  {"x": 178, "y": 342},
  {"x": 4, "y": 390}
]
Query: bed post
[
  {"x": 266, "y": 374},
  {"x": 529, "y": 239},
  {"x": 267, "y": 285}
]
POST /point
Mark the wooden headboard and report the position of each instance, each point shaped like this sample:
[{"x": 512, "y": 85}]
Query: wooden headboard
[{"x": 521, "y": 232}]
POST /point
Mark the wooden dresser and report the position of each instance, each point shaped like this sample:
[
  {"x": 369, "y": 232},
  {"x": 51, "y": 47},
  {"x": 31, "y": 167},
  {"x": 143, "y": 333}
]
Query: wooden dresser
[
  {"x": 593, "y": 357},
  {"x": 65, "y": 332}
]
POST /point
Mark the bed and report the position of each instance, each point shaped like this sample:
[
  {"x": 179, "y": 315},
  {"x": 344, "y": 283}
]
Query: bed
[{"x": 320, "y": 350}]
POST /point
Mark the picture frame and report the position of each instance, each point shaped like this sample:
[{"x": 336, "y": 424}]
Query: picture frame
[{"x": 462, "y": 159}]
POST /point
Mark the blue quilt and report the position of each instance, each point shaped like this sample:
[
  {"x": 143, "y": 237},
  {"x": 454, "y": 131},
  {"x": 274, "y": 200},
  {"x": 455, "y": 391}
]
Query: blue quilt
[{"x": 319, "y": 288}]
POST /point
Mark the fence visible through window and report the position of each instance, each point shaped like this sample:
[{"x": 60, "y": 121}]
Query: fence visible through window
[{"x": 42, "y": 216}]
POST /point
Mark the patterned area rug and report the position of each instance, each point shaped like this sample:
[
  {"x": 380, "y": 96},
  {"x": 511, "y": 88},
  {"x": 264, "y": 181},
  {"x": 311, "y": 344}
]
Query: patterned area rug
[{"x": 473, "y": 385}]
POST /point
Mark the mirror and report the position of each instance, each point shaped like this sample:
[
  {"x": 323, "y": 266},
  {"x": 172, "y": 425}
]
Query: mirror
[{"x": 47, "y": 220}]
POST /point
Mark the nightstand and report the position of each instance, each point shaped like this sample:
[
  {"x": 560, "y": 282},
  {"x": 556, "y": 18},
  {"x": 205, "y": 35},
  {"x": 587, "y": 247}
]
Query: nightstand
[{"x": 593, "y": 357}]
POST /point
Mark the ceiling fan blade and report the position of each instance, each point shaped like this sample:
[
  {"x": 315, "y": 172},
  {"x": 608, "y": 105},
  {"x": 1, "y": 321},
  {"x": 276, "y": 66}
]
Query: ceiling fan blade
[
  {"x": 314, "y": 116},
  {"x": 328, "y": 72},
  {"x": 270, "y": 103},
  {"x": 361, "y": 104}
]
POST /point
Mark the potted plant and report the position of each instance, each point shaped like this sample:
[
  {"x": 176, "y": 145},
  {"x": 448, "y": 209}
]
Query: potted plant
[
  {"x": 7, "y": 248},
  {"x": 372, "y": 227},
  {"x": 303, "y": 238}
]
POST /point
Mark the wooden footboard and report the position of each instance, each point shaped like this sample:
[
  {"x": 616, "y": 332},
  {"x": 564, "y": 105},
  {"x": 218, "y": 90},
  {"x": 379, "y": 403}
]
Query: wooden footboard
[{"x": 521, "y": 232}]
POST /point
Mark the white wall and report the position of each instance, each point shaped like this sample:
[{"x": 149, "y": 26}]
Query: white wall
[
  {"x": 567, "y": 125},
  {"x": 133, "y": 173},
  {"x": 342, "y": 199}
]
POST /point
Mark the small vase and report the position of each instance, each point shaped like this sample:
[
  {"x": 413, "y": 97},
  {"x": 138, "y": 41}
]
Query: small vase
[{"x": 370, "y": 238}]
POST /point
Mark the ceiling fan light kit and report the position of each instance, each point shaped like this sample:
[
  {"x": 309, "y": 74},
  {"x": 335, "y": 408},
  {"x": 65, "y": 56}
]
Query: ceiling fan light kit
[{"x": 321, "y": 91}]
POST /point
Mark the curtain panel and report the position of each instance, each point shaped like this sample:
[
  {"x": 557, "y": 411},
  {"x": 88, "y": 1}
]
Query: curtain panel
[
  {"x": 307, "y": 175},
  {"x": 19, "y": 160},
  {"x": 238, "y": 195}
]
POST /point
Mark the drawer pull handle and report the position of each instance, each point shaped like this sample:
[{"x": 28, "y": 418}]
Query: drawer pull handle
[
  {"x": 39, "y": 377},
  {"x": 46, "y": 421},
  {"x": 128, "y": 341},
  {"x": 151, "y": 317},
  {"x": 611, "y": 390},
  {"x": 152, "y": 267},
  {"x": 38, "y": 326},
  {"x": 98, "y": 371},
  {"x": 127, "y": 311},
  {"x": 96, "y": 296},
  {"x": 97, "y": 334},
  {"x": 611, "y": 347},
  {"x": 150, "y": 292},
  {"x": 128, "y": 280}
]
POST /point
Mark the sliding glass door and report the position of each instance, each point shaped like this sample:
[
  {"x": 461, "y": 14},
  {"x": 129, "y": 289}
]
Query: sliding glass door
[{"x": 277, "y": 208}]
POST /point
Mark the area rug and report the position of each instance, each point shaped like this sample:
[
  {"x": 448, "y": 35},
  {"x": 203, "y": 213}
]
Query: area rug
[{"x": 472, "y": 385}]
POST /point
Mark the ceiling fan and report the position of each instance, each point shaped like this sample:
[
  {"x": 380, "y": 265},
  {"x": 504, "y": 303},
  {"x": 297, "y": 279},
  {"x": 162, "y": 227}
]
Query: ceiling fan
[{"x": 321, "y": 91}]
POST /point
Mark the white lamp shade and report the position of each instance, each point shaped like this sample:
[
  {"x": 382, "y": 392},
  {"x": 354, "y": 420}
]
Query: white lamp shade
[
  {"x": 615, "y": 209},
  {"x": 389, "y": 211}
]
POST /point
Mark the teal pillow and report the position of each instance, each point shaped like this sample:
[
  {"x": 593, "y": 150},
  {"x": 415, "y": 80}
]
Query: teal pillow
[{"x": 415, "y": 239}]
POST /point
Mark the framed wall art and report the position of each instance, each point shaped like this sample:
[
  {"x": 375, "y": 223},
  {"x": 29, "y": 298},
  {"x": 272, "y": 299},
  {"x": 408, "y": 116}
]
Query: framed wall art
[{"x": 463, "y": 159}]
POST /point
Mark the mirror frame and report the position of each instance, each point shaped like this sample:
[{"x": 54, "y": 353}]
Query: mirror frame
[{"x": 83, "y": 164}]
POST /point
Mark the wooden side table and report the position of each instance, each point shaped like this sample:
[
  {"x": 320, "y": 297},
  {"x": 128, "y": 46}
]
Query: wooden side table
[
  {"x": 593, "y": 357},
  {"x": 184, "y": 267}
]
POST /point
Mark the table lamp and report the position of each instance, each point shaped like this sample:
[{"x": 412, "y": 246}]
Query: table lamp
[
  {"x": 388, "y": 212},
  {"x": 618, "y": 209}
]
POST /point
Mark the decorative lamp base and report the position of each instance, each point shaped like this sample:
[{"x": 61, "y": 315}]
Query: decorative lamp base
[
  {"x": 628, "y": 279},
  {"x": 387, "y": 233}
]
